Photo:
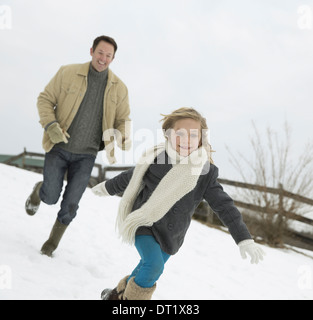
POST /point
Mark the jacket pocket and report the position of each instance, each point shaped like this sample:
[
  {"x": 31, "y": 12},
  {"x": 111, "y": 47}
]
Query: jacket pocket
[
  {"x": 69, "y": 88},
  {"x": 69, "y": 95}
]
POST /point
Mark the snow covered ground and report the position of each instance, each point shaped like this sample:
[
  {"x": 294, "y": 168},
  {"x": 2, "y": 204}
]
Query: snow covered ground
[{"x": 91, "y": 257}]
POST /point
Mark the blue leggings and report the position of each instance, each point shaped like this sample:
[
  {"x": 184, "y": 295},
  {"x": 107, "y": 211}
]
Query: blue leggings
[{"x": 152, "y": 262}]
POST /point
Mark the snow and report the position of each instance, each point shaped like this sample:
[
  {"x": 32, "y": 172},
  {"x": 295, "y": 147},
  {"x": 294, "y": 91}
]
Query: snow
[{"x": 91, "y": 257}]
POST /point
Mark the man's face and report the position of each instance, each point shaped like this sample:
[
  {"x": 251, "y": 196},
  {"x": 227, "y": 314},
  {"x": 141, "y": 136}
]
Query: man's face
[{"x": 102, "y": 56}]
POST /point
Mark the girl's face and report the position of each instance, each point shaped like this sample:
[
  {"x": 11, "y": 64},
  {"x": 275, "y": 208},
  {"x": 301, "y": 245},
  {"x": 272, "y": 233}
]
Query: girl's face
[{"x": 185, "y": 137}]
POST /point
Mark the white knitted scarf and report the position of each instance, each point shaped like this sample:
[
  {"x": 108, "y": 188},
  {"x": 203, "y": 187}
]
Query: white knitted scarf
[{"x": 179, "y": 181}]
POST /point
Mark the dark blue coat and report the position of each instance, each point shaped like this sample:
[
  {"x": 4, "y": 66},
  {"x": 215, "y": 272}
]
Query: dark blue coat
[{"x": 170, "y": 231}]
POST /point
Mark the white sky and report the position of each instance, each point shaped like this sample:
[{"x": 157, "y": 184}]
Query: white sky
[{"x": 234, "y": 61}]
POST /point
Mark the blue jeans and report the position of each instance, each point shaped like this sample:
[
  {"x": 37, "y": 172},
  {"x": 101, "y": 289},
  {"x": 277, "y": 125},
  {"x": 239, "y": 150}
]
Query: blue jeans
[
  {"x": 78, "y": 167},
  {"x": 151, "y": 265}
]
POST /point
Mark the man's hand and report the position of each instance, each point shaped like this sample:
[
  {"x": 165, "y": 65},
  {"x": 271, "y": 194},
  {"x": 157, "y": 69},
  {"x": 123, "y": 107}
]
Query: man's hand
[{"x": 56, "y": 134}]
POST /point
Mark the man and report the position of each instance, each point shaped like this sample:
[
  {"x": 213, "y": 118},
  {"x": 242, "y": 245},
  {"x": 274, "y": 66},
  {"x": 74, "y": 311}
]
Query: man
[{"x": 81, "y": 106}]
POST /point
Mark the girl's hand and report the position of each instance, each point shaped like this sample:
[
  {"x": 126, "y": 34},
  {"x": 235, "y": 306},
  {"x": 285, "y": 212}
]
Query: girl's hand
[
  {"x": 255, "y": 252},
  {"x": 100, "y": 190}
]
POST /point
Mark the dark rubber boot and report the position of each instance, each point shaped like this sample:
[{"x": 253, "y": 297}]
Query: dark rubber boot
[
  {"x": 33, "y": 201},
  {"x": 55, "y": 237}
]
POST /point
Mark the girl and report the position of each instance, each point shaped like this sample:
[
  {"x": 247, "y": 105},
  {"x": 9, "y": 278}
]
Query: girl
[{"x": 160, "y": 196}]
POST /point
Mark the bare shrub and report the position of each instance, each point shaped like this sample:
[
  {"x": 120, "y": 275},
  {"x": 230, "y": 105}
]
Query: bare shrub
[{"x": 274, "y": 164}]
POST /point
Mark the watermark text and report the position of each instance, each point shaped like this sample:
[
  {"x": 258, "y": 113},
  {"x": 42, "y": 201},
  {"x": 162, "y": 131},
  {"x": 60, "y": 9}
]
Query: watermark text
[
  {"x": 5, "y": 17},
  {"x": 5, "y": 277},
  {"x": 305, "y": 277},
  {"x": 305, "y": 17}
]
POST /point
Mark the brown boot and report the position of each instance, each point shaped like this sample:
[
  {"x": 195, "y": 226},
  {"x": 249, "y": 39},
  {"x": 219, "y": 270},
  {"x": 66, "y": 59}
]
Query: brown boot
[
  {"x": 54, "y": 239},
  {"x": 135, "y": 292},
  {"x": 33, "y": 201},
  {"x": 116, "y": 293}
]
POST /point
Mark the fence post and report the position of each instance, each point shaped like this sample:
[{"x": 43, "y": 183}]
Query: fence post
[
  {"x": 23, "y": 158},
  {"x": 281, "y": 214},
  {"x": 281, "y": 200},
  {"x": 104, "y": 173}
]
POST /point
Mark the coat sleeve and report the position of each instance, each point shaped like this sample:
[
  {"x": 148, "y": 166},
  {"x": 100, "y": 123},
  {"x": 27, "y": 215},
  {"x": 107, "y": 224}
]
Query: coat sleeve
[
  {"x": 122, "y": 121},
  {"x": 224, "y": 207},
  {"x": 48, "y": 100},
  {"x": 118, "y": 184}
]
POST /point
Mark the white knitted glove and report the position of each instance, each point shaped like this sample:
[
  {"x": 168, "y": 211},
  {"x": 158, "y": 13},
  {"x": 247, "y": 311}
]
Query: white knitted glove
[
  {"x": 100, "y": 190},
  {"x": 254, "y": 251}
]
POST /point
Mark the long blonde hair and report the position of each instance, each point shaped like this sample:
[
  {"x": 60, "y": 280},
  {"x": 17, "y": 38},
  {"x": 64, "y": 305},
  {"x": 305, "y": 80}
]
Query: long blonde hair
[{"x": 169, "y": 121}]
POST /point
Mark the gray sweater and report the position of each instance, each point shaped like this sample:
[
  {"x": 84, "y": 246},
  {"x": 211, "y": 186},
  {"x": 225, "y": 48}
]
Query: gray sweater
[
  {"x": 170, "y": 231},
  {"x": 86, "y": 129}
]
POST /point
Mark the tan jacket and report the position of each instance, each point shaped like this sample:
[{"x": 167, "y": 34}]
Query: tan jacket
[{"x": 62, "y": 98}]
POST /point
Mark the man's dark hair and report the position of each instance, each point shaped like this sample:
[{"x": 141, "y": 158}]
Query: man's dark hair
[{"x": 105, "y": 39}]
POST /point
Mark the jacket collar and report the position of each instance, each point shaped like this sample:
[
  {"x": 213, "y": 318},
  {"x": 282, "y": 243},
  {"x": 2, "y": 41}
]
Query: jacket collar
[{"x": 84, "y": 69}]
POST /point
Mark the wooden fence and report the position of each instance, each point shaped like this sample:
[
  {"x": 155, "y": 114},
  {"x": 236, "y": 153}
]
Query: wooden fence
[
  {"x": 289, "y": 235},
  {"x": 33, "y": 161},
  {"x": 277, "y": 191},
  {"x": 23, "y": 160}
]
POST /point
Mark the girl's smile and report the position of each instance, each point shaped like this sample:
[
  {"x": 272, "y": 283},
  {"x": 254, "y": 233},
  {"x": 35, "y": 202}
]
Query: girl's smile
[{"x": 185, "y": 136}]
